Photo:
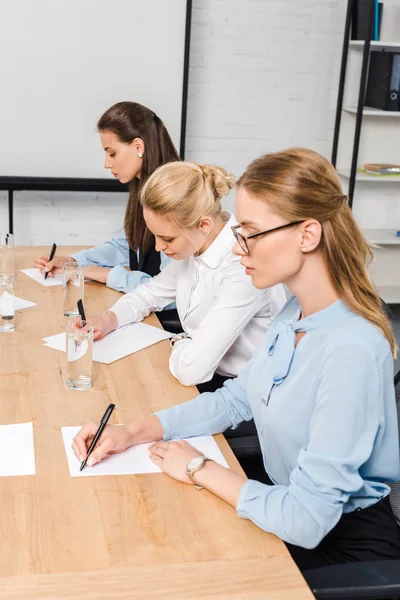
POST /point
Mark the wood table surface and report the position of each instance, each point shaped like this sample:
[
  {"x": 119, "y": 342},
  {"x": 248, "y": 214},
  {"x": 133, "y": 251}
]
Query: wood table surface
[{"x": 138, "y": 536}]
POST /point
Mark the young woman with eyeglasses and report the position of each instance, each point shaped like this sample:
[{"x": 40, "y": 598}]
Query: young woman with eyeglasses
[{"x": 319, "y": 387}]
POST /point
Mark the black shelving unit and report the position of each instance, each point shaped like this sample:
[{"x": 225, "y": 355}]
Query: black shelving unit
[{"x": 361, "y": 91}]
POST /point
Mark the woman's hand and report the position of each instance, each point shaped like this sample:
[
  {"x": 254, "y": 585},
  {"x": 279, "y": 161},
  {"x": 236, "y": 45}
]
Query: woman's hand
[
  {"x": 173, "y": 457},
  {"x": 102, "y": 326},
  {"x": 114, "y": 439},
  {"x": 97, "y": 273},
  {"x": 51, "y": 267}
]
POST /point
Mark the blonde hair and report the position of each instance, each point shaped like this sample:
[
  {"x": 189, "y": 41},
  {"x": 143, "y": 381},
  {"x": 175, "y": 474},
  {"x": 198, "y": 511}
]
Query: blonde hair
[
  {"x": 186, "y": 191},
  {"x": 301, "y": 184}
]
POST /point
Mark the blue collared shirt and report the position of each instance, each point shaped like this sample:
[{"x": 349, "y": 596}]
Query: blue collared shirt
[{"x": 325, "y": 414}]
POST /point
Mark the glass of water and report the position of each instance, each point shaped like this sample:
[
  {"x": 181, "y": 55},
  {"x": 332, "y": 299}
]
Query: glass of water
[
  {"x": 79, "y": 355},
  {"x": 6, "y": 253},
  {"x": 73, "y": 285},
  {"x": 6, "y": 302}
]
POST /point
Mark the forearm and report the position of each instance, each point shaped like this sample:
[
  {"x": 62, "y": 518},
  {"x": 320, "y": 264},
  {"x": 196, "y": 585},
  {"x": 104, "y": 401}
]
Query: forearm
[
  {"x": 147, "y": 429},
  {"x": 220, "y": 481}
]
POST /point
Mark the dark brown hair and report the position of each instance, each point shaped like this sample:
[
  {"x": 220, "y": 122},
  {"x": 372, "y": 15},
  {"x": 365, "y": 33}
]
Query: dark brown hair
[
  {"x": 129, "y": 120},
  {"x": 301, "y": 184}
]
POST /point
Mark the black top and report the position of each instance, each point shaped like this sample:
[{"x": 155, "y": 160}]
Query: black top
[{"x": 149, "y": 263}]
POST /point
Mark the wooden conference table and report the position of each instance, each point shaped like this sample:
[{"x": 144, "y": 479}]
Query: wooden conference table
[{"x": 126, "y": 537}]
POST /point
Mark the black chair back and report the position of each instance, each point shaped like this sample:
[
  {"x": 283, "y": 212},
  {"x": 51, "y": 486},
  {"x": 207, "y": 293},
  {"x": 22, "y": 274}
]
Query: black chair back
[{"x": 395, "y": 493}]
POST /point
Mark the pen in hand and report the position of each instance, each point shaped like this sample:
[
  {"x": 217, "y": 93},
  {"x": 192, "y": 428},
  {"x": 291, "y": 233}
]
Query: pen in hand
[
  {"x": 81, "y": 310},
  {"x": 82, "y": 316},
  {"x": 52, "y": 253},
  {"x": 98, "y": 433}
]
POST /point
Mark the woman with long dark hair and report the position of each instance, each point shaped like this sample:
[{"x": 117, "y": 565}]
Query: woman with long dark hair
[{"x": 136, "y": 142}]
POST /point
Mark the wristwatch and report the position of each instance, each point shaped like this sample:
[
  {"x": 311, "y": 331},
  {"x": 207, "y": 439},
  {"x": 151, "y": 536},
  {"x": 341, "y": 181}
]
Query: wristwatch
[
  {"x": 194, "y": 465},
  {"x": 178, "y": 338}
]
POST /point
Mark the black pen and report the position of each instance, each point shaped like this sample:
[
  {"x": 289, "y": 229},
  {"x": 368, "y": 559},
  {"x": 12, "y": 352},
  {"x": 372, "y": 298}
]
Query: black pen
[
  {"x": 52, "y": 253},
  {"x": 81, "y": 310},
  {"x": 103, "y": 423}
]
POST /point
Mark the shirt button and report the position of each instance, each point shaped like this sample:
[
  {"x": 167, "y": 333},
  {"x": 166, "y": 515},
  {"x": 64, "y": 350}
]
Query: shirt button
[{"x": 263, "y": 400}]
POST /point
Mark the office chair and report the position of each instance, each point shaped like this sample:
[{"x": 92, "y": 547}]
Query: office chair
[
  {"x": 170, "y": 321},
  {"x": 372, "y": 580}
]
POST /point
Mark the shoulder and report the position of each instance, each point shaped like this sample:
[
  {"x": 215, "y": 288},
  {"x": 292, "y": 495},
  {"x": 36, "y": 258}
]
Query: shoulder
[{"x": 362, "y": 336}]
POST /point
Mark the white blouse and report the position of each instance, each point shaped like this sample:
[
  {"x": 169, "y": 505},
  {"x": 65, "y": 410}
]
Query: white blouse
[{"x": 224, "y": 316}]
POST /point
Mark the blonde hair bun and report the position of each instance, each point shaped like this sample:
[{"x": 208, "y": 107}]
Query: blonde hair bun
[
  {"x": 220, "y": 181},
  {"x": 186, "y": 191}
]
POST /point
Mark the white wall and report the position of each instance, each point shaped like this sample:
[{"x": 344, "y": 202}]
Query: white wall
[{"x": 263, "y": 76}]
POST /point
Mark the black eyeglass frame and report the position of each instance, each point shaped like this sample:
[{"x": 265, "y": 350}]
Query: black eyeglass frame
[{"x": 242, "y": 239}]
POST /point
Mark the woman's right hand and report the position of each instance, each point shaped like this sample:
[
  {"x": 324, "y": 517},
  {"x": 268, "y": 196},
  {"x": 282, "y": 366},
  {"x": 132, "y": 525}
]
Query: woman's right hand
[
  {"x": 51, "y": 267},
  {"x": 102, "y": 326},
  {"x": 114, "y": 439}
]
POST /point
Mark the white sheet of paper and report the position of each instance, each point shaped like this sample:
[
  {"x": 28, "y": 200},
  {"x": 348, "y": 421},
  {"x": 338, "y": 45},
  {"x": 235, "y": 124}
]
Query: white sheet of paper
[
  {"x": 9, "y": 303},
  {"x": 133, "y": 461},
  {"x": 36, "y": 275},
  {"x": 119, "y": 343},
  {"x": 6, "y": 304},
  {"x": 17, "y": 450},
  {"x": 20, "y": 303}
]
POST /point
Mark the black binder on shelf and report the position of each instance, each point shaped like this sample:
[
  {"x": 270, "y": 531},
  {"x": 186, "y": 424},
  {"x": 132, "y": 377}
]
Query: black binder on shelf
[
  {"x": 359, "y": 20},
  {"x": 383, "y": 87}
]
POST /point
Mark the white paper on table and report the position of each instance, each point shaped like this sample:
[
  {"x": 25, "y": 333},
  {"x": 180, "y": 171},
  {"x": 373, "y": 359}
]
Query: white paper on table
[
  {"x": 133, "y": 461},
  {"x": 36, "y": 275},
  {"x": 119, "y": 343},
  {"x": 21, "y": 304},
  {"x": 17, "y": 450},
  {"x": 9, "y": 303}
]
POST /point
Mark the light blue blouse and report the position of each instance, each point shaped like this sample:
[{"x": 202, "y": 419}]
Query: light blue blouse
[
  {"x": 325, "y": 414},
  {"x": 115, "y": 255}
]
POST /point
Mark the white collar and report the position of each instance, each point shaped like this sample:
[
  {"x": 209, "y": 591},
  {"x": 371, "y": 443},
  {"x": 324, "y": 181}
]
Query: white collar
[{"x": 217, "y": 251}]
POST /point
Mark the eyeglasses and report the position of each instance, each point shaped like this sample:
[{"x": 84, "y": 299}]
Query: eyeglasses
[{"x": 242, "y": 239}]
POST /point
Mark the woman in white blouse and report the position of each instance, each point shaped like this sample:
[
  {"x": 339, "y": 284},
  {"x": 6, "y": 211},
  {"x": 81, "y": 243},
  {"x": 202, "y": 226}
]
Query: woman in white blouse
[{"x": 223, "y": 316}]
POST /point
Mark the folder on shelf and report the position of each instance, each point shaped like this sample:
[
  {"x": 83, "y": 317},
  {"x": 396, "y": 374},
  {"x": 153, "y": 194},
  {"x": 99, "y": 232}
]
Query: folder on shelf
[
  {"x": 383, "y": 87},
  {"x": 360, "y": 17}
]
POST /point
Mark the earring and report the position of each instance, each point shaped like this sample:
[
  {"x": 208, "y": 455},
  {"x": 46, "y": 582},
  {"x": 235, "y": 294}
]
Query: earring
[
  {"x": 304, "y": 249},
  {"x": 140, "y": 154}
]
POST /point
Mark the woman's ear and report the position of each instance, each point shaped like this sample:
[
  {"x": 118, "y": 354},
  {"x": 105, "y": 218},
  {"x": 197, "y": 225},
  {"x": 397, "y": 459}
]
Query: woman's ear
[
  {"x": 311, "y": 233},
  {"x": 206, "y": 224},
  {"x": 139, "y": 145}
]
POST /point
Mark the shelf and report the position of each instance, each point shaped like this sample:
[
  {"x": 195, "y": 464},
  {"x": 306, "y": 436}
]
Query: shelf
[
  {"x": 382, "y": 237},
  {"x": 372, "y": 178},
  {"x": 373, "y": 112},
  {"x": 389, "y": 293},
  {"x": 376, "y": 46}
]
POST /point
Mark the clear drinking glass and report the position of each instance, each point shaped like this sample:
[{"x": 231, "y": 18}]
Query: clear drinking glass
[
  {"x": 79, "y": 355},
  {"x": 6, "y": 253},
  {"x": 73, "y": 285},
  {"x": 6, "y": 302}
]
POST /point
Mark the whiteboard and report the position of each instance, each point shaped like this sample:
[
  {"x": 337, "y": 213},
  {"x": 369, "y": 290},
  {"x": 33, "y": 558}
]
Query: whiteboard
[{"x": 64, "y": 62}]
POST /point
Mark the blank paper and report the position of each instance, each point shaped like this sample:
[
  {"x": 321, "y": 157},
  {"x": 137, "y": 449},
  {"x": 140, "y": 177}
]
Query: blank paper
[
  {"x": 17, "y": 450},
  {"x": 119, "y": 343},
  {"x": 133, "y": 461},
  {"x": 10, "y": 303},
  {"x": 36, "y": 275}
]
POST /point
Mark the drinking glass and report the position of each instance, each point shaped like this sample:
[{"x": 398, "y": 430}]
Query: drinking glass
[
  {"x": 6, "y": 302},
  {"x": 73, "y": 285},
  {"x": 79, "y": 355},
  {"x": 6, "y": 253}
]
